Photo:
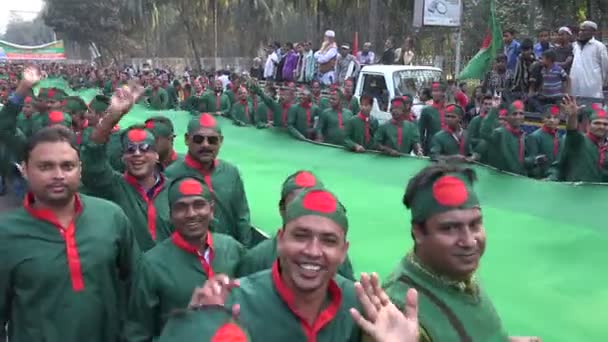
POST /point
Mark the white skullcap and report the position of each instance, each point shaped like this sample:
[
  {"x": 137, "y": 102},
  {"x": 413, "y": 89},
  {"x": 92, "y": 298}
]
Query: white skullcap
[
  {"x": 330, "y": 33},
  {"x": 589, "y": 24},
  {"x": 565, "y": 29}
]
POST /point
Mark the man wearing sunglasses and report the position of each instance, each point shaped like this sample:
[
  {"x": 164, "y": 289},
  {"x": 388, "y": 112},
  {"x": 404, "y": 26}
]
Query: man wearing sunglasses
[
  {"x": 164, "y": 132},
  {"x": 141, "y": 190},
  {"x": 204, "y": 140}
]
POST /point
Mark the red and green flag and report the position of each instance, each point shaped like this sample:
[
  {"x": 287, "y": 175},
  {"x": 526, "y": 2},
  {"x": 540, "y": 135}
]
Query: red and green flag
[{"x": 482, "y": 61}]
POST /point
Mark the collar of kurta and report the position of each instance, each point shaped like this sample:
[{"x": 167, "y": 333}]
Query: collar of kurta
[
  {"x": 285, "y": 104},
  {"x": 200, "y": 253},
  {"x": 67, "y": 233},
  {"x": 439, "y": 105},
  {"x": 148, "y": 196},
  {"x": 469, "y": 286},
  {"x": 595, "y": 140},
  {"x": 324, "y": 317},
  {"x": 195, "y": 164},
  {"x": 550, "y": 131},
  {"x": 363, "y": 117},
  {"x": 515, "y": 131}
]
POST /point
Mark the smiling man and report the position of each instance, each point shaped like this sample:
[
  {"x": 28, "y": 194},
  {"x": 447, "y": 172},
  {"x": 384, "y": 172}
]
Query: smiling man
[
  {"x": 141, "y": 190},
  {"x": 449, "y": 241},
  {"x": 545, "y": 141},
  {"x": 204, "y": 140},
  {"x": 169, "y": 272},
  {"x": 66, "y": 256},
  {"x": 301, "y": 298}
]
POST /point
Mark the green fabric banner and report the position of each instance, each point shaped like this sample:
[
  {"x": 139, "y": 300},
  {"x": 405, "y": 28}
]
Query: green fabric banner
[
  {"x": 51, "y": 51},
  {"x": 546, "y": 243}
]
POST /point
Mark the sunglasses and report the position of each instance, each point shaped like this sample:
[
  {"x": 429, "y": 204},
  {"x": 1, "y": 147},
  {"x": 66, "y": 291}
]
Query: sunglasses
[
  {"x": 211, "y": 140},
  {"x": 142, "y": 148}
]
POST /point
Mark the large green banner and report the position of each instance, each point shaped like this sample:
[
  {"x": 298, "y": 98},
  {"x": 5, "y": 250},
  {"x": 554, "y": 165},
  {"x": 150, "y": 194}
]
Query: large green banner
[
  {"x": 546, "y": 242},
  {"x": 50, "y": 51}
]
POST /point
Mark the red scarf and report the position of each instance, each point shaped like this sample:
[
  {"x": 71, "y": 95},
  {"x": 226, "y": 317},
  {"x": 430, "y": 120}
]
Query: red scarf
[
  {"x": 218, "y": 101},
  {"x": 184, "y": 245},
  {"x": 286, "y": 106},
  {"x": 553, "y": 132},
  {"x": 399, "y": 126},
  {"x": 601, "y": 147},
  {"x": 459, "y": 138},
  {"x": 365, "y": 119},
  {"x": 441, "y": 109},
  {"x": 172, "y": 158},
  {"x": 195, "y": 164},
  {"x": 255, "y": 103},
  {"x": 340, "y": 124},
  {"x": 246, "y": 105},
  {"x": 307, "y": 106},
  {"x": 67, "y": 233},
  {"x": 520, "y": 139},
  {"x": 151, "y": 209}
]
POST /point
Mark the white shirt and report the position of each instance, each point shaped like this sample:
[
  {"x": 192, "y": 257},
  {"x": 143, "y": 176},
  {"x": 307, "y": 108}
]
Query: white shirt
[
  {"x": 270, "y": 65},
  {"x": 589, "y": 70}
]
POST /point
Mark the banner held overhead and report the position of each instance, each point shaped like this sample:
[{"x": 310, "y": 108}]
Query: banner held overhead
[{"x": 48, "y": 52}]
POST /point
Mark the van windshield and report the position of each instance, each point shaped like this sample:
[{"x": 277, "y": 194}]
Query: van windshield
[{"x": 413, "y": 81}]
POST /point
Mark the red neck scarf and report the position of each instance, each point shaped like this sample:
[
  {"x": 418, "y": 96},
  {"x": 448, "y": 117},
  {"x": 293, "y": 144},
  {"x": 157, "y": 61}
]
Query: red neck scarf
[
  {"x": 399, "y": 125},
  {"x": 67, "y": 233},
  {"x": 171, "y": 159},
  {"x": 184, "y": 245},
  {"x": 218, "y": 101},
  {"x": 307, "y": 106},
  {"x": 151, "y": 209},
  {"x": 439, "y": 106},
  {"x": 195, "y": 164},
  {"x": 517, "y": 132},
  {"x": 339, "y": 112},
  {"x": 285, "y": 106},
  {"x": 246, "y": 105},
  {"x": 365, "y": 119},
  {"x": 459, "y": 138},
  {"x": 553, "y": 132},
  {"x": 601, "y": 147}
]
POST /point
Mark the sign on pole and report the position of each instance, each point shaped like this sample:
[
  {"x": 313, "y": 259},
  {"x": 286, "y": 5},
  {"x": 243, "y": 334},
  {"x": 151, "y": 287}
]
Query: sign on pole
[
  {"x": 50, "y": 51},
  {"x": 442, "y": 13}
]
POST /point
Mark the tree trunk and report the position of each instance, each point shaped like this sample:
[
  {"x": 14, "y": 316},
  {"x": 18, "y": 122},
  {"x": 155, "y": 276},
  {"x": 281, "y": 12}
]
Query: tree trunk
[{"x": 190, "y": 34}]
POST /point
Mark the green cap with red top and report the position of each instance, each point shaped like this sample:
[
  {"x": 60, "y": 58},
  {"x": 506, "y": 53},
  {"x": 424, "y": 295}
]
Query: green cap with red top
[
  {"x": 299, "y": 180},
  {"x": 56, "y": 118},
  {"x": 137, "y": 135},
  {"x": 187, "y": 187},
  {"x": 205, "y": 120},
  {"x": 317, "y": 201}
]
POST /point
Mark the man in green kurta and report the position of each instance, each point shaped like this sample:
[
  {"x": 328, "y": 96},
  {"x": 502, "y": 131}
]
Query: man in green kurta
[
  {"x": 264, "y": 115},
  {"x": 77, "y": 109},
  {"x": 545, "y": 141},
  {"x": 348, "y": 100},
  {"x": 142, "y": 190},
  {"x": 157, "y": 96},
  {"x": 281, "y": 107},
  {"x": 233, "y": 88},
  {"x": 66, "y": 256},
  {"x": 242, "y": 112},
  {"x": 584, "y": 156},
  {"x": 216, "y": 102},
  {"x": 168, "y": 273},
  {"x": 331, "y": 127},
  {"x": 398, "y": 136},
  {"x": 359, "y": 130},
  {"x": 164, "y": 133},
  {"x": 507, "y": 144},
  {"x": 302, "y": 118},
  {"x": 473, "y": 129},
  {"x": 432, "y": 118},
  {"x": 204, "y": 140},
  {"x": 301, "y": 295},
  {"x": 452, "y": 141},
  {"x": 319, "y": 100},
  {"x": 25, "y": 120},
  {"x": 449, "y": 241},
  {"x": 173, "y": 94},
  {"x": 194, "y": 103},
  {"x": 262, "y": 256}
]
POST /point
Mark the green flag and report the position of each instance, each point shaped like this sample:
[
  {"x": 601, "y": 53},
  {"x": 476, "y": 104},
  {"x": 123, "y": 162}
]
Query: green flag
[{"x": 482, "y": 61}]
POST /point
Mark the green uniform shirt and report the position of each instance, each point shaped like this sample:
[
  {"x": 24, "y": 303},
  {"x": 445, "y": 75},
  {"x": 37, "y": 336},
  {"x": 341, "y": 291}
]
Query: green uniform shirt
[
  {"x": 332, "y": 125},
  {"x": 194, "y": 104},
  {"x": 543, "y": 141},
  {"x": 25, "y": 124},
  {"x": 10, "y": 136},
  {"x": 167, "y": 276},
  {"x": 242, "y": 113},
  {"x": 360, "y": 130},
  {"x": 159, "y": 99},
  {"x": 280, "y": 110},
  {"x": 446, "y": 312},
  {"x": 231, "y": 95},
  {"x": 213, "y": 102},
  {"x": 431, "y": 121},
  {"x": 173, "y": 97},
  {"x": 263, "y": 113},
  {"x": 267, "y": 316},
  {"x": 473, "y": 130},
  {"x": 231, "y": 215},
  {"x": 401, "y": 138},
  {"x": 149, "y": 213},
  {"x": 301, "y": 121},
  {"x": 446, "y": 143},
  {"x": 321, "y": 102},
  {"x": 585, "y": 160},
  {"x": 46, "y": 295},
  {"x": 352, "y": 104},
  {"x": 263, "y": 255}
]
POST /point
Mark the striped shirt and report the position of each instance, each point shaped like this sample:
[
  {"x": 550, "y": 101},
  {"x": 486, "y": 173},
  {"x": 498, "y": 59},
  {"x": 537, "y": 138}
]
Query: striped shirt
[{"x": 553, "y": 79}]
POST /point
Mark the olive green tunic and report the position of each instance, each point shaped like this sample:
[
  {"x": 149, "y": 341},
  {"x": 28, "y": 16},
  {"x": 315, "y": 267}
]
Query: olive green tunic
[
  {"x": 332, "y": 125},
  {"x": 360, "y": 130},
  {"x": 400, "y": 136}
]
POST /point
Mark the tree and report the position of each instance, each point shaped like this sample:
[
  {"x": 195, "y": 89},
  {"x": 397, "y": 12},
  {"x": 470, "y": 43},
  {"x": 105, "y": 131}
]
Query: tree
[{"x": 33, "y": 32}]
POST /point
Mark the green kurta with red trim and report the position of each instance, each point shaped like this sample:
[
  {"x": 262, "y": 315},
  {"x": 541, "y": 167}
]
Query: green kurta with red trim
[
  {"x": 280, "y": 110},
  {"x": 431, "y": 121},
  {"x": 263, "y": 255},
  {"x": 352, "y": 105},
  {"x": 400, "y": 137},
  {"x": 321, "y": 102},
  {"x": 543, "y": 141},
  {"x": 149, "y": 214},
  {"x": 10, "y": 135},
  {"x": 447, "y": 143},
  {"x": 167, "y": 276},
  {"x": 242, "y": 113},
  {"x": 159, "y": 99},
  {"x": 231, "y": 212},
  {"x": 263, "y": 113},
  {"x": 214, "y": 102},
  {"x": 586, "y": 158},
  {"x": 65, "y": 284},
  {"x": 267, "y": 312},
  {"x": 302, "y": 120},
  {"x": 332, "y": 125},
  {"x": 360, "y": 130}
]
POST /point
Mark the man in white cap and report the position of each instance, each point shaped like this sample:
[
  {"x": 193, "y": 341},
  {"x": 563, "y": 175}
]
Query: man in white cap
[
  {"x": 563, "y": 48},
  {"x": 326, "y": 58},
  {"x": 347, "y": 66},
  {"x": 589, "y": 71}
]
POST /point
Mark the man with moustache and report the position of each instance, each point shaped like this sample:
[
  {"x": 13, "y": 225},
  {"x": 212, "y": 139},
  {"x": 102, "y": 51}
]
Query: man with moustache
[
  {"x": 169, "y": 272},
  {"x": 332, "y": 121},
  {"x": 432, "y": 118},
  {"x": 280, "y": 108},
  {"x": 242, "y": 112},
  {"x": 141, "y": 190},
  {"x": 545, "y": 141},
  {"x": 348, "y": 100},
  {"x": 204, "y": 140},
  {"x": 66, "y": 256},
  {"x": 302, "y": 117},
  {"x": 359, "y": 130},
  {"x": 449, "y": 241},
  {"x": 217, "y": 101},
  {"x": 398, "y": 136}
]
